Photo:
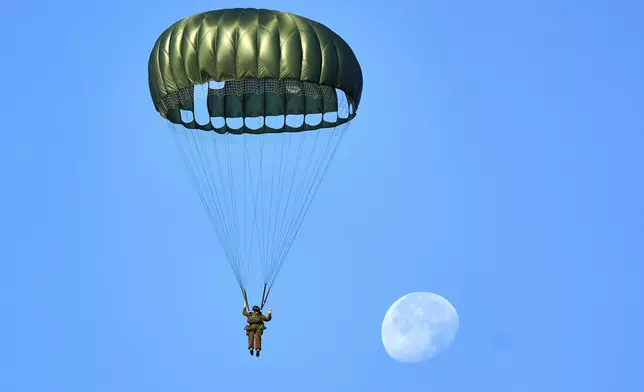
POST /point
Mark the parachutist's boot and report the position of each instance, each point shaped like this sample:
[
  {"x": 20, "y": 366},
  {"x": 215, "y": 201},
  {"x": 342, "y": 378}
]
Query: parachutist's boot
[
  {"x": 257, "y": 353},
  {"x": 251, "y": 351}
]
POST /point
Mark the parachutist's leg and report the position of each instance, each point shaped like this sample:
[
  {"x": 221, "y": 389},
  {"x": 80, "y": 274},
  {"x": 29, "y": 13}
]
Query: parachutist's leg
[
  {"x": 251, "y": 336},
  {"x": 258, "y": 341}
]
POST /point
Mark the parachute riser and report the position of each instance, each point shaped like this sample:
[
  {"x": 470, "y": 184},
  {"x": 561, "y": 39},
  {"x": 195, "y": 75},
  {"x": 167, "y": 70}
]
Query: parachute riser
[
  {"x": 245, "y": 297},
  {"x": 266, "y": 291}
]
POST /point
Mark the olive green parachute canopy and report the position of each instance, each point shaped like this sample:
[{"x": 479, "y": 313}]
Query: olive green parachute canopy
[{"x": 271, "y": 63}]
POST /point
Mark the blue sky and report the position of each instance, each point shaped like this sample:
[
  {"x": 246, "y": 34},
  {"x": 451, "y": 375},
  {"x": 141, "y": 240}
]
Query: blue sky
[{"x": 496, "y": 160}]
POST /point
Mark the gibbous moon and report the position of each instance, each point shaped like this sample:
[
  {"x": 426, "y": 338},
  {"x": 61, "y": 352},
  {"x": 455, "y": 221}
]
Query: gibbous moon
[{"x": 418, "y": 326}]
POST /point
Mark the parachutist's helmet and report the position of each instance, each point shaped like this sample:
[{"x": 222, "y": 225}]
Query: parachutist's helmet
[{"x": 256, "y": 308}]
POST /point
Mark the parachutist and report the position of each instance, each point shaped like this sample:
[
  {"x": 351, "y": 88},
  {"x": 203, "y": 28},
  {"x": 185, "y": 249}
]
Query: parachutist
[{"x": 255, "y": 327}]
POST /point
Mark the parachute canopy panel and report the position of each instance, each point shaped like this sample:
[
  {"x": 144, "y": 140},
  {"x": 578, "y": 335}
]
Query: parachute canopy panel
[{"x": 271, "y": 63}]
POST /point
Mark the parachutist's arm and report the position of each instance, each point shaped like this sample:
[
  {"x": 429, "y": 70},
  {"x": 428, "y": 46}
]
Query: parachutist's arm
[
  {"x": 267, "y": 318},
  {"x": 244, "y": 312}
]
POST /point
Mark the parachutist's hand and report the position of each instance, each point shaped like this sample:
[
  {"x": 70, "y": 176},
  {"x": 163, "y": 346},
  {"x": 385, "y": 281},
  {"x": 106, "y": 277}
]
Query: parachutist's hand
[{"x": 269, "y": 310}]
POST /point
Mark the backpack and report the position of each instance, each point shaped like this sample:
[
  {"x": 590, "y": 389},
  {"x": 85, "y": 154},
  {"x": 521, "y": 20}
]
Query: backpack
[{"x": 254, "y": 318}]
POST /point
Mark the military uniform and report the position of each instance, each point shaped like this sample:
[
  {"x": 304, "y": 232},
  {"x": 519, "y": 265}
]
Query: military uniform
[{"x": 255, "y": 328}]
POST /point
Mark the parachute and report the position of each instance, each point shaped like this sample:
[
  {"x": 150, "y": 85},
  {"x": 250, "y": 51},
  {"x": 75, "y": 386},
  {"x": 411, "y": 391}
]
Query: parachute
[{"x": 257, "y": 102}]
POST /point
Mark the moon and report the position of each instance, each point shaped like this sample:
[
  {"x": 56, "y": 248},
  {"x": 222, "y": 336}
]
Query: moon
[{"x": 419, "y": 326}]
